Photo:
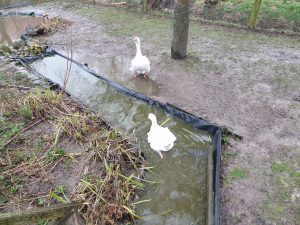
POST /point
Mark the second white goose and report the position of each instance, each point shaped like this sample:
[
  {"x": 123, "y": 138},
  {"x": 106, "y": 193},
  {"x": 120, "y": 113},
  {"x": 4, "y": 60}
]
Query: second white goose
[
  {"x": 140, "y": 64},
  {"x": 160, "y": 138}
]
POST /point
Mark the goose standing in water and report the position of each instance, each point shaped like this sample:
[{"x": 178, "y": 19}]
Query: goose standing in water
[
  {"x": 140, "y": 64},
  {"x": 160, "y": 138}
]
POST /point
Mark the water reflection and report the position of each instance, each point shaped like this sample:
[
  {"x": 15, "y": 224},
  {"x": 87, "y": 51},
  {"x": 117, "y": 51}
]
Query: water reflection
[
  {"x": 12, "y": 27},
  {"x": 116, "y": 68}
]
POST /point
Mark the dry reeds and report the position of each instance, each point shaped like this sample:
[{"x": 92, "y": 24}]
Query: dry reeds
[{"x": 108, "y": 185}]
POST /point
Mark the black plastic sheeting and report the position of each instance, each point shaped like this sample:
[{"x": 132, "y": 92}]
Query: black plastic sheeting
[
  {"x": 30, "y": 13},
  {"x": 195, "y": 121}
]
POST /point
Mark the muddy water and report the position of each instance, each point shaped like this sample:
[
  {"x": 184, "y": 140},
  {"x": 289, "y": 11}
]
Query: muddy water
[
  {"x": 12, "y": 27},
  {"x": 182, "y": 173},
  {"x": 116, "y": 68}
]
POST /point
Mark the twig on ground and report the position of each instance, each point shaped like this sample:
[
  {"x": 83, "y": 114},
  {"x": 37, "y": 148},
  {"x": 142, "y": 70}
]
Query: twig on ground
[
  {"x": 156, "y": 65},
  {"x": 118, "y": 3},
  {"x": 26, "y": 128},
  {"x": 15, "y": 86}
]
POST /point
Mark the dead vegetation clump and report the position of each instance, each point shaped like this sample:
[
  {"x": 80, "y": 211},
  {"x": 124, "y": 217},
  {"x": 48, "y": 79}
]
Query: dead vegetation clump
[
  {"x": 53, "y": 24},
  {"x": 35, "y": 125},
  {"x": 49, "y": 25}
]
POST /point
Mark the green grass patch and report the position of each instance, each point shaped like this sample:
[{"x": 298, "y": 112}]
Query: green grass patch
[
  {"x": 286, "y": 167},
  {"x": 238, "y": 173},
  {"x": 8, "y": 130},
  {"x": 235, "y": 174},
  {"x": 55, "y": 154},
  {"x": 274, "y": 212},
  {"x": 26, "y": 112},
  {"x": 22, "y": 79},
  {"x": 280, "y": 208},
  {"x": 270, "y": 9},
  {"x": 19, "y": 79},
  {"x": 281, "y": 167},
  {"x": 274, "y": 208},
  {"x": 273, "y": 13},
  {"x": 2, "y": 77}
]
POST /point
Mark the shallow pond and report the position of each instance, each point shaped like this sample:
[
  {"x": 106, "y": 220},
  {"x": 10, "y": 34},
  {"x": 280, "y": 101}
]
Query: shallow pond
[
  {"x": 12, "y": 27},
  {"x": 180, "y": 197},
  {"x": 116, "y": 68}
]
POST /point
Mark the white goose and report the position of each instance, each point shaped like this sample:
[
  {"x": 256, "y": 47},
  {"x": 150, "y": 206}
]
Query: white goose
[
  {"x": 140, "y": 64},
  {"x": 160, "y": 138}
]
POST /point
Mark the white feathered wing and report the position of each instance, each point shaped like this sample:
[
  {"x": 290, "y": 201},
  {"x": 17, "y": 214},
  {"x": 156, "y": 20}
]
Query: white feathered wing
[{"x": 160, "y": 138}]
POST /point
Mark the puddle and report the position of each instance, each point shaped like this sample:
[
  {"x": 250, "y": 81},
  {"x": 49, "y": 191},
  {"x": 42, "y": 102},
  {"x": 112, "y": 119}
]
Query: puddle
[
  {"x": 116, "y": 68},
  {"x": 182, "y": 176},
  {"x": 12, "y": 27}
]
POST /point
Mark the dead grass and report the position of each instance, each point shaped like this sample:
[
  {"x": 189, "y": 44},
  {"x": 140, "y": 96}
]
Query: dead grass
[
  {"x": 51, "y": 25},
  {"x": 109, "y": 181}
]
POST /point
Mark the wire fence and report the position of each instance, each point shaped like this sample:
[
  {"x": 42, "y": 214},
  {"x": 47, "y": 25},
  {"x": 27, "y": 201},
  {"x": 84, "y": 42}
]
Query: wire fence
[{"x": 274, "y": 14}]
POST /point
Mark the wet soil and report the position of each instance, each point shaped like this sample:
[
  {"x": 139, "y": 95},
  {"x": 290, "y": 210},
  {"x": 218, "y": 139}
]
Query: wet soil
[{"x": 247, "y": 82}]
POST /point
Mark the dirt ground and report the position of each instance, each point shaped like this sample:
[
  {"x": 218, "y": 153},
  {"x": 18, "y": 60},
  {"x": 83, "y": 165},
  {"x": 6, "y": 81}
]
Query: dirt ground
[{"x": 245, "y": 81}]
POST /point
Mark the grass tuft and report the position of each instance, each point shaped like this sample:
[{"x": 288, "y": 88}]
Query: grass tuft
[
  {"x": 238, "y": 173},
  {"x": 281, "y": 167}
]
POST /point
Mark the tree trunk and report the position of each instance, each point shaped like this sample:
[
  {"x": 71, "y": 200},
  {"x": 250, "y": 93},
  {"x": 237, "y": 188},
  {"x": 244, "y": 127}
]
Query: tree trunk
[
  {"x": 254, "y": 14},
  {"x": 180, "y": 29}
]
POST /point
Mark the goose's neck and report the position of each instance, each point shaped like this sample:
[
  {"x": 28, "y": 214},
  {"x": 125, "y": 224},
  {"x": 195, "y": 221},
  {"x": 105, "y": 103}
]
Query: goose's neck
[
  {"x": 138, "y": 49},
  {"x": 154, "y": 122}
]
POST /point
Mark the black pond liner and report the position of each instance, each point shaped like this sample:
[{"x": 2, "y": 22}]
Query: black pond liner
[{"x": 29, "y": 13}]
